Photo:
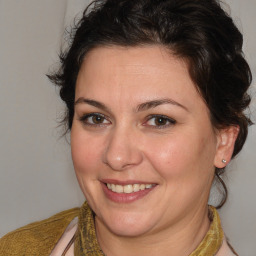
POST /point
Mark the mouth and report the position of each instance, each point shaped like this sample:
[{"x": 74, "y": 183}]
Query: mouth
[
  {"x": 126, "y": 192},
  {"x": 129, "y": 188}
]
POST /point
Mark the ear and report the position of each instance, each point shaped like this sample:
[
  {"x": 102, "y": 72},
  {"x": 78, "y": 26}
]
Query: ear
[{"x": 226, "y": 139}]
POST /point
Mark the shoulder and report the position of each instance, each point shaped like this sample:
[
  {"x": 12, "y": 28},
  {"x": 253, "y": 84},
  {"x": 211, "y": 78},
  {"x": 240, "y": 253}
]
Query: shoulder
[
  {"x": 225, "y": 249},
  {"x": 37, "y": 237}
]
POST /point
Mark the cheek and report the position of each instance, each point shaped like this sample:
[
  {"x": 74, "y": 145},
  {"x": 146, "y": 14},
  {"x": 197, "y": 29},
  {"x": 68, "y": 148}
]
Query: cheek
[
  {"x": 185, "y": 155},
  {"x": 85, "y": 152},
  {"x": 186, "y": 169}
]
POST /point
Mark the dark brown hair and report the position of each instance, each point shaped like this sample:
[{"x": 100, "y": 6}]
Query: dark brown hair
[{"x": 199, "y": 31}]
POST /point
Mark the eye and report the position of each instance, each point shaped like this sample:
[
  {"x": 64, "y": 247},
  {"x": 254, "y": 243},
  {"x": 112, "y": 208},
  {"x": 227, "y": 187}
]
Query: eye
[
  {"x": 159, "y": 121},
  {"x": 95, "y": 119}
]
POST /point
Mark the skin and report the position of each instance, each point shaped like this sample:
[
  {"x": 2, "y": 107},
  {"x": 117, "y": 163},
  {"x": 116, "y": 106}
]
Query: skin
[{"x": 179, "y": 155}]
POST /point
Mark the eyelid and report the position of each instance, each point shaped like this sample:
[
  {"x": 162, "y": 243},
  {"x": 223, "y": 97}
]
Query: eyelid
[
  {"x": 84, "y": 119},
  {"x": 170, "y": 120},
  {"x": 88, "y": 115}
]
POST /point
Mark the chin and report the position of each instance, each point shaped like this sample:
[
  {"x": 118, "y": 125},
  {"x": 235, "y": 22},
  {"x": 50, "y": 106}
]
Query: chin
[{"x": 129, "y": 225}]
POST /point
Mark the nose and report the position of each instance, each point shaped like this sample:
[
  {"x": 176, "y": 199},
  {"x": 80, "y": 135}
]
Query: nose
[{"x": 122, "y": 150}]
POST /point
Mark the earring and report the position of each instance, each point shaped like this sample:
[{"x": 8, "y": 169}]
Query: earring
[{"x": 224, "y": 161}]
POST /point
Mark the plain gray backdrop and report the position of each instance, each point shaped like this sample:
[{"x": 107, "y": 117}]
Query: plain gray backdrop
[{"x": 36, "y": 172}]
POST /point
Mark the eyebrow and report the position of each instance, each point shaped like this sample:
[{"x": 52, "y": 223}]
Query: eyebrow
[
  {"x": 141, "y": 107},
  {"x": 154, "y": 103},
  {"x": 93, "y": 103}
]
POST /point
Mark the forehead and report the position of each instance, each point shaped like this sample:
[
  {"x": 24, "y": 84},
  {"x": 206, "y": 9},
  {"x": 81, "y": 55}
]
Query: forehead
[
  {"x": 144, "y": 60},
  {"x": 140, "y": 73}
]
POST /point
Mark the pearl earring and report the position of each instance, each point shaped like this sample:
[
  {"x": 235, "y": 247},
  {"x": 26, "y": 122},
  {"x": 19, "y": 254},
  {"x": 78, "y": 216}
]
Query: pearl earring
[{"x": 224, "y": 161}]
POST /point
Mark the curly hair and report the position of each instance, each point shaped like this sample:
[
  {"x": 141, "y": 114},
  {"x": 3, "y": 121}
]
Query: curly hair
[{"x": 200, "y": 32}]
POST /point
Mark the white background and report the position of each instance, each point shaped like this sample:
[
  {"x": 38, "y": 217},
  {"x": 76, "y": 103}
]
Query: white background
[{"x": 36, "y": 173}]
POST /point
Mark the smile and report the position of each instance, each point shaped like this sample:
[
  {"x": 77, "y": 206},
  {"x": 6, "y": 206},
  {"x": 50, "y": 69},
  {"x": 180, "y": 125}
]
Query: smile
[{"x": 130, "y": 188}]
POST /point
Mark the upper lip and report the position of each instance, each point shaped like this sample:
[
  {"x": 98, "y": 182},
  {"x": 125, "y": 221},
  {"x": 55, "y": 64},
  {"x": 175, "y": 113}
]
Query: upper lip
[{"x": 126, "y": 182}]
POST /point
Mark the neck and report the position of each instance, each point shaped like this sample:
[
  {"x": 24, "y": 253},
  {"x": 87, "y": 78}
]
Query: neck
[{"x": 179, "y": 239}]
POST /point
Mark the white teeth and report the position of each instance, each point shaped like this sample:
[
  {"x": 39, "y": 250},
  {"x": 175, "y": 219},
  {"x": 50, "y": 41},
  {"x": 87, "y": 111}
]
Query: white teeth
[
  {"x": 136, "y": 187},
  {"x": 142, "y": 186},
  {"x": 128, "y": 188},
  {"x": 113, "y": 187},
  {"x": 119, "y": 189}
]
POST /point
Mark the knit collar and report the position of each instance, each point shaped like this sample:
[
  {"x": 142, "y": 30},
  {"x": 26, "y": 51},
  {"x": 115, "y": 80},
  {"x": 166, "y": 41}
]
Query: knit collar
[
  {"x": 213, "y": 239},
  {"x": 87, "y": 244}
]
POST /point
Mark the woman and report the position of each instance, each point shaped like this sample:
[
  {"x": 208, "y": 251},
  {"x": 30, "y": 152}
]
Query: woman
[{"x": 155, "y": 94}]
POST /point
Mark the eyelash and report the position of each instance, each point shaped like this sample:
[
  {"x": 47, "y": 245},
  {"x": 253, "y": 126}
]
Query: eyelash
[
  {"x": 170, "y": 121},
  {"x": 84, "y": 119},
  {"x": 164, "y": 118}
]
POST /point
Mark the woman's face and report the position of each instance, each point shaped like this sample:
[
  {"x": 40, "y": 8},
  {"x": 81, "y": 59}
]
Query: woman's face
[{"x": 142, "y": 142}]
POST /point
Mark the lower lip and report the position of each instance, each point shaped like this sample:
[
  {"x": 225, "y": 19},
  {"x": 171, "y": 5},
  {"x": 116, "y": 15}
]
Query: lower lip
[{"x": 125, "y": 197}]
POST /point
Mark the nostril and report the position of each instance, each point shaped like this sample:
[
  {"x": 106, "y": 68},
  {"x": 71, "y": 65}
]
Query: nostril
[{"x": 121, "y": 152}]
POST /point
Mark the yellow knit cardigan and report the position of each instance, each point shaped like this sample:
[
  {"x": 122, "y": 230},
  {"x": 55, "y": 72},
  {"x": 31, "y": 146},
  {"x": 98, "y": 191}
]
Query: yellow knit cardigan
[{"x": 39, "y": 238}]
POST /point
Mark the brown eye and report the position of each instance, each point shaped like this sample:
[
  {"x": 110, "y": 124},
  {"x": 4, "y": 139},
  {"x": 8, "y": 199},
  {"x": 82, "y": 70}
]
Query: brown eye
[
  {"x": 94, "y": 119},
  {"x": 159, "y": 121},
  {"x": 97, "y": 119}
]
